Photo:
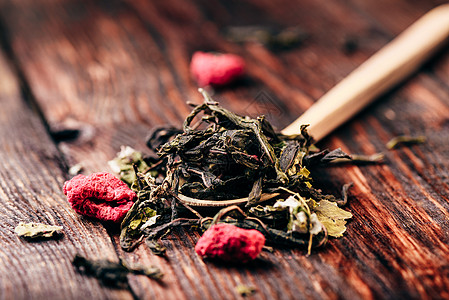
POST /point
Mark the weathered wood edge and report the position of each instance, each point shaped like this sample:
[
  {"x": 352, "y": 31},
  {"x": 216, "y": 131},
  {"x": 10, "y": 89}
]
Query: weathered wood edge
[{"x": 31, "y": 177}]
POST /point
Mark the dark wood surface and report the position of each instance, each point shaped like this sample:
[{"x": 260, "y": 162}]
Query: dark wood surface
[{"x": 113, "y": 70}]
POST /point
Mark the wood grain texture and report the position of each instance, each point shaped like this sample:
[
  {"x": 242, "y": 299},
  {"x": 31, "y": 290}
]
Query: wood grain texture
[
  {"x": 31, "y": 176},
  {"x": 114, "y": 69}
]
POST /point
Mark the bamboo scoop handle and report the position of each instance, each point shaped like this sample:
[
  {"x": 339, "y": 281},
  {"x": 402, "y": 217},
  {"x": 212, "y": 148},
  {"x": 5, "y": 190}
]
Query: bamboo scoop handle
[{"x": 393, "y": 63}]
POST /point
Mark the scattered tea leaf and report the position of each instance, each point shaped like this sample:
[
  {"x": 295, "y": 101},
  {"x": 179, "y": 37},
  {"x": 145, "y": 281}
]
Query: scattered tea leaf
[
  {"x": 338, "y": 156},
  {"x": 37, "y": 230},
  {"x": 107, "y": 272},
  {"x": 405, "y": 140},
  {"x": 156, "y": 247},
  {"x": 373, "y": 158},
  {"x": 344, "y": 193},
  {"x": 113, "y": 273},
  {"x": 245, "y": 290},
  {"x": 275, "y": 39}
]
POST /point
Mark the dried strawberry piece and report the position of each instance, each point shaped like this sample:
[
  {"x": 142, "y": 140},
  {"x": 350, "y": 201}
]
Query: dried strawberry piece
[
  {"x": 230, "y": 243},
  {"x": 99, "y": 195},
  {"x": 216, "y": 69}
]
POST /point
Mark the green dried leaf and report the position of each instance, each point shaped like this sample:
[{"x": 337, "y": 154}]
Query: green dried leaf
[
  {"x": 334, "y": 155},
  {"x": 276, "y": 217},
  {"x": 332, "y": 217},
  {"x": 37, "y": 230},
  {"x": 245, "y": 290},
  {"x": 405, "y": 140},
  {"x": 156, "y": 247},
  {"x": 373, "y": 158},
  {"x": 124, "y": 164},
  {"x": 132, "y": 229},
  {"x": 113, "y": 273},
  {"x": 360, "y": 159}
]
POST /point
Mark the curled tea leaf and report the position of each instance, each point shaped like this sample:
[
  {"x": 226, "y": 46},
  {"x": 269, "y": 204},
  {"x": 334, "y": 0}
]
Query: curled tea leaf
[
  {"x": 37, "y": 230},
  {"x": 344, "y": 194}
]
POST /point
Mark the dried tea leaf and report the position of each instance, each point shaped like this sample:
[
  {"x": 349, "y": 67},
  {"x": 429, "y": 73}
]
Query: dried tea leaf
[
  {"x": 332, "y": 217},
  {"x": 37, "y": 230},
  {"x": 337, "y": 156},
  {"x": 334, "y": 155},
  {"x": 373, "y": 158},
  {"x": 276, "y": 217},
  {"x": 113, "y": 273},
  {"x": 245, "y": 290},
  {"x": 134, "y": 224},
  {"x": 109, "y": 273},
  {"x": 156, "y": 247},
  {"x": 124, "y": 164},
  {"x": 344, "y": 194},
  {"x": 405, "y": 140},
  {"x": 274, "y": 38}
]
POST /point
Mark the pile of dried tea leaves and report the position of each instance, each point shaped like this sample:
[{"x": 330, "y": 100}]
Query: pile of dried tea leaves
[{"x": 218, "y": 156}]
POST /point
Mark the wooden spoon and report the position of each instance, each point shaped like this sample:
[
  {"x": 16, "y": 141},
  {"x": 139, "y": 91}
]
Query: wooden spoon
[{"x": 386, "y": 68}]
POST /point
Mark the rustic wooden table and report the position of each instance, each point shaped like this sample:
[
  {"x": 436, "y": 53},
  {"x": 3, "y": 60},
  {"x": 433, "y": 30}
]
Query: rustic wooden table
[{"x": 78, "y": 79}]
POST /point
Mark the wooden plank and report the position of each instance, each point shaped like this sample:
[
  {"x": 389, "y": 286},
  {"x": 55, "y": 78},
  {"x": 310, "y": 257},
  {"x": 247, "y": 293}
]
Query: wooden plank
[
  {"x": 31, "y": 179},
  {"x": 115, "y": 69}
]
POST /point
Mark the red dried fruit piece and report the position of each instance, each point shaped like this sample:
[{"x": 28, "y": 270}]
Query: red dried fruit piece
[
  {"x": 216, "y": 69},
  {"x": 230, "y": 243},
  {"x": 99, "y": 195}
]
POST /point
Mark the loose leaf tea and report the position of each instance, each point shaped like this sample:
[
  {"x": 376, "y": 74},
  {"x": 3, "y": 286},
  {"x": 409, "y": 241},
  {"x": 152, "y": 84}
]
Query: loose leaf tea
[
  {"x": 113, "y": 273},
  {"x": 274, "y": 39},
  {"x": 405, "y": 140},
  {"x": 219, "y": 157},
  {"x": 37, "y": 230}
]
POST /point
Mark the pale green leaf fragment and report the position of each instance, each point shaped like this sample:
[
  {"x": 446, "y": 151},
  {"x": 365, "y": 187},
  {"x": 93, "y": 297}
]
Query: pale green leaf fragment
[
  {"x": 245, "y": 290},
  {"x": 332, "y": 217},
  {"x": 124, "y": 164},
  {"x": 142, "y": 217},
  {"x": 405, "y": 140},
  {"x": 37, "y": 230},
  {"x": 151, "y": 221}
]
